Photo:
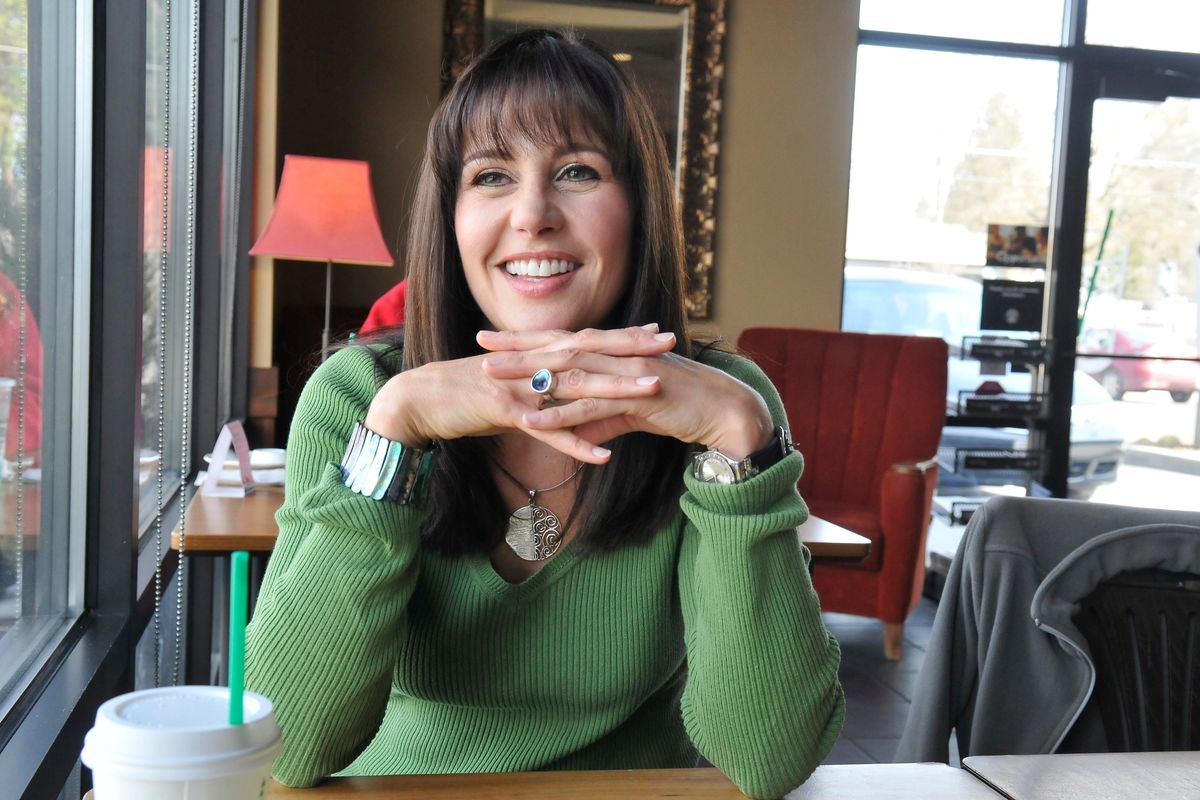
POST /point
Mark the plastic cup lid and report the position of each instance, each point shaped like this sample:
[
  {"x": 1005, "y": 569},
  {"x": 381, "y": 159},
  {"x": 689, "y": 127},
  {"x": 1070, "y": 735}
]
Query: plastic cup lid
[{"x": 180, "y": 733}]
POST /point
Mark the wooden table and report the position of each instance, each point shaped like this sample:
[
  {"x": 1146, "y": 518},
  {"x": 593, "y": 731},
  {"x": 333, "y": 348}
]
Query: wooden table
[
  {"x": 830, "y": 542},
  {"x": 217, "y": 525},
  {"x": 220, "y": 525},
  {"x": 874, "y": 781},
  {"x": 1091, "y": 776}
]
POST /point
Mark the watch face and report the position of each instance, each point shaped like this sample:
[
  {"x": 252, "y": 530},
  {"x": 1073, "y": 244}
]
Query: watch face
[{"x": 714, "y": 469}]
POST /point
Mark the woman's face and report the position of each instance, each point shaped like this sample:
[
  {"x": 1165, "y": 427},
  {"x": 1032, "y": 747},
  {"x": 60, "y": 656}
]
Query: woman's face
[{"x": 544, "y": 234}]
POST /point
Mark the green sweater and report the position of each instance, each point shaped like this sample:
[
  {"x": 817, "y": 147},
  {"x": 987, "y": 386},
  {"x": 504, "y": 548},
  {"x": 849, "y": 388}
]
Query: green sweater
[{"x": 384, "y": 657}]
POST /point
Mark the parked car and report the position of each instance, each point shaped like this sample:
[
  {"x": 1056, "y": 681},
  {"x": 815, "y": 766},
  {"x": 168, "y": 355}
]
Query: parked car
[
  {"x": 888, "y": 300},
  {"x": 1121, "y": 375}
]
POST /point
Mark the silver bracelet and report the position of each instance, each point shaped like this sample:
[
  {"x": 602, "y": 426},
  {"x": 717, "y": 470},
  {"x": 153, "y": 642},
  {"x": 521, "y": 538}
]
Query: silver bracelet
[{"x": 379, "y": 468}]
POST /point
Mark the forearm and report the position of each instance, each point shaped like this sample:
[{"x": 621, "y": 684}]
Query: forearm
[
  {"x": 331, "y": 613},
  {"x": 763, "y": 702},
  {"x": 328, "y": 625}
]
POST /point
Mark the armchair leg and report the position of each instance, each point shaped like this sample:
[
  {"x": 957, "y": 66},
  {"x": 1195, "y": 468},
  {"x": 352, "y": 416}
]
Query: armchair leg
[{"x": 893, "y": 638}]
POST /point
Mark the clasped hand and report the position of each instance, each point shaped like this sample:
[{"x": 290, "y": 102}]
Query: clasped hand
[{"x": 608, "y": 383}]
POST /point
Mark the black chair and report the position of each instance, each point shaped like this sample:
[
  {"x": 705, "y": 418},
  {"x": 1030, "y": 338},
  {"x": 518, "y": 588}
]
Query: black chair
[
  {"x": 1009, "y": 668},
  {"x": 1142, "y": 630}
]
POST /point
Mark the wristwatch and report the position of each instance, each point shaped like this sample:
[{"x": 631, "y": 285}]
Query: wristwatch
[{"x": 713, "y": 466}]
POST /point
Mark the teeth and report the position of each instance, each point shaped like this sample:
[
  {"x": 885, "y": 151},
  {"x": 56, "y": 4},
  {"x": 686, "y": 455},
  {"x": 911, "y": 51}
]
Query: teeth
[{"x": 535, "y": 268}]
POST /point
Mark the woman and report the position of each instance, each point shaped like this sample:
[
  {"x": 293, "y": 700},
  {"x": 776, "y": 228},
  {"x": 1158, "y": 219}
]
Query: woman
[{"x": 556, "y": 583}]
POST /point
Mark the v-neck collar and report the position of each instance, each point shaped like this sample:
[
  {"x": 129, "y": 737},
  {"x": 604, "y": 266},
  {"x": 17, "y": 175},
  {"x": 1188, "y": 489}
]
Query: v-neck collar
[{"x": 480, "y": 565}]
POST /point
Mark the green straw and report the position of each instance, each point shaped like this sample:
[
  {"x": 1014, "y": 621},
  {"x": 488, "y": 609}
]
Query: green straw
[
  {"x": 239, "y": 588},
  {"x": 1087, "y": 299}
]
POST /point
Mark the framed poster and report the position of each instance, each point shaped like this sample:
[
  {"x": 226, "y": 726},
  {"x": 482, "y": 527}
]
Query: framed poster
[{"x": 1017, "y": 245}]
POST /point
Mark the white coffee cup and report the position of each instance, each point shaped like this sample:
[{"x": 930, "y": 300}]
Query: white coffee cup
[{"x": 176, "y": 742}]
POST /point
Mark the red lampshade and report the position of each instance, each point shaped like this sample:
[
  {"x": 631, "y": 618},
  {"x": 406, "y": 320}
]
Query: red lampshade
[{"x": 324, "y": 211}]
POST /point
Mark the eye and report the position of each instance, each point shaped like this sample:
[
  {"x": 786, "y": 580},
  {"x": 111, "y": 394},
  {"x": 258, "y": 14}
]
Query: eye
[
  {"x": 577, "y": 173},
  {"x": 489, "y": 177}
]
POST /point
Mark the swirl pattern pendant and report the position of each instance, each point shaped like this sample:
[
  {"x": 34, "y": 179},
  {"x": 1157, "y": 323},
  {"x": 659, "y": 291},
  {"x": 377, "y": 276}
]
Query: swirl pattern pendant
[{"x": 533, "y": 532}]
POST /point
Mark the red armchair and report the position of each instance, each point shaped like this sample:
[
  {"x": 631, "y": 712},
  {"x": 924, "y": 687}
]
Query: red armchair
[{"x": 866, "y": 411}]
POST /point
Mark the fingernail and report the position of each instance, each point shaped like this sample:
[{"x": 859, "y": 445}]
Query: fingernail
[
  {"x": 665, "y": 337},
  {"x": 647, "y": 380},
  {"x": 533, "y": 417},
  {"x": 653, "y": 326},
  {"x": 600, "y": 452}
]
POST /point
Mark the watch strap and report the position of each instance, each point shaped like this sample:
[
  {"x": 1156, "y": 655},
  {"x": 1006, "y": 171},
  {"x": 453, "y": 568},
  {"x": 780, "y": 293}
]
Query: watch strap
[
  {"x": 774, "y": 451},
  {"x": 764, "y": 458}
]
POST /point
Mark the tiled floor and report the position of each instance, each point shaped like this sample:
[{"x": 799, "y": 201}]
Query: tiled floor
[{"x": 878, "y": 692}]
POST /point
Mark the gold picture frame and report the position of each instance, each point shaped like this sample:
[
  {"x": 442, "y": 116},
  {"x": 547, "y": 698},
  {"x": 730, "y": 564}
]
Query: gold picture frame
[{"x": 700, "y": 95}]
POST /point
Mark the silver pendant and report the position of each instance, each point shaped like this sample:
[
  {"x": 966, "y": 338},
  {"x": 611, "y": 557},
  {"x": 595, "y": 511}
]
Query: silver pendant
[{"x": 533, "y": 532}]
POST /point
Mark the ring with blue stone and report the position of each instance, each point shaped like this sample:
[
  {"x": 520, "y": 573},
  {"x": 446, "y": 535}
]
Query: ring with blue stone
[{"x": 542, "y": 382}]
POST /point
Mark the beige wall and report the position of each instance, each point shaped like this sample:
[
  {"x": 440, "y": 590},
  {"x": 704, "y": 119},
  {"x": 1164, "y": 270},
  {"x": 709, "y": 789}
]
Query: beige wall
[
  {"x": 785, "y": 163},
  {"x": 369, "y": 91}
]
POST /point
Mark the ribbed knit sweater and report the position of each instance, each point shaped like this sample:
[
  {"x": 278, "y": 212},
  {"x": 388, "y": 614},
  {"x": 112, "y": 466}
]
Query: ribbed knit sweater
[{"x": 384, "y": 657}]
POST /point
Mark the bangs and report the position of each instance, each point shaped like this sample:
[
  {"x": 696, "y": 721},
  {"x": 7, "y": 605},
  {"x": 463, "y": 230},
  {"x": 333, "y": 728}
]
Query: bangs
[{"x": 539, "y": 96}]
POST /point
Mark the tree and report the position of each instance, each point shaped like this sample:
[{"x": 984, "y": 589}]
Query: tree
[
  {"x": 1154, "y": 193},
  {"x": 998, "y": 179}
]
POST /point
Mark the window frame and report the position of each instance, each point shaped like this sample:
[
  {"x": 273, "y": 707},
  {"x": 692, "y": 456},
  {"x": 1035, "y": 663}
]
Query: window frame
[
  {"x": 1083, "y": 68},
  {"x": 41, "y": 737}
]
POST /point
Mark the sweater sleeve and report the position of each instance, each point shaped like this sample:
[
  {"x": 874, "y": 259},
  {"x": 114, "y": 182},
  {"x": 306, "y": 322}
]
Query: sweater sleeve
[
  {"x": 762, "y": 700},
  {"x": 331, "y": 613}
]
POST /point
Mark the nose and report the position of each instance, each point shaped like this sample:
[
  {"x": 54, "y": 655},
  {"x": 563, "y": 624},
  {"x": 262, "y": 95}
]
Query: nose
[{"x": 535, "y": 209}]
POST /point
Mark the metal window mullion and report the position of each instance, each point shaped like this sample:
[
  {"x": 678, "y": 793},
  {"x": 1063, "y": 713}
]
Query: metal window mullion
[
  {"x": 1068, "y": 215},
  {"x": 954, "y": 44},
  {"x": 116, "y": 357}
]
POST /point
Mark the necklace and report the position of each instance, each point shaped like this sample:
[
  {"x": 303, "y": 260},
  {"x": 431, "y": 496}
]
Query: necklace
[{"x": 534, "y": 531}]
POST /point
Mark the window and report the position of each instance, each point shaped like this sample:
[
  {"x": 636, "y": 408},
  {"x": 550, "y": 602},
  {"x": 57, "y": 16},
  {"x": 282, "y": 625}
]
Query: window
[
  {"x": 44, "y": 196},
  {"x": 976, "y": 134},
  {"x": 86, "y": 262},
  {"x": 960, "y": 121},
  {"x": 1150, "y": 24},
  {"x": 165, "y": 256},
  {"x": 1029, "y": 21}
]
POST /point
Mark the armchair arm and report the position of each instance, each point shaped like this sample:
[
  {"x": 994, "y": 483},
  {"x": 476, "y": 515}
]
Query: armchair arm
[{"x": 906, "y": 499}]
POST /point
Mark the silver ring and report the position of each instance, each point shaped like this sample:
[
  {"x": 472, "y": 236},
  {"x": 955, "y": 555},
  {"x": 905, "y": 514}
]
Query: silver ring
[{"x": 542, "y": 383}]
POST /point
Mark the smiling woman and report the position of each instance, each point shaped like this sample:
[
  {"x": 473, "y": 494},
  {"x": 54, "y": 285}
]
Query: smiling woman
[
  {"x": 496, "y": 553},
  {"x": 674, "y": 50},
  {"x": 544, "y": 235}
]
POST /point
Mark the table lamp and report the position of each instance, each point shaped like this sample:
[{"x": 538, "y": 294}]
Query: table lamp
[{"x": 325, "y": 211}]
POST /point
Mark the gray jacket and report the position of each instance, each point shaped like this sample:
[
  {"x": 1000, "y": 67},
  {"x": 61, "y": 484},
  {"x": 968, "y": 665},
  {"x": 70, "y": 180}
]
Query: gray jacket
[{"x": 1005, "y": 667}]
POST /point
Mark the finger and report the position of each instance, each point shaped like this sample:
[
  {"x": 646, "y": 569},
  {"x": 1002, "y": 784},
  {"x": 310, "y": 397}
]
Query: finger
[
  {"x": 579, "y": 412},
  {"x": 518, "y": 340},
  {"x": 572, "y": 445},
  {"x": 523, "y": 365},
  {"x": 607, "y": 429},
  {"x": 645, "y": 340},
  {"x": 574, "y": 384}
]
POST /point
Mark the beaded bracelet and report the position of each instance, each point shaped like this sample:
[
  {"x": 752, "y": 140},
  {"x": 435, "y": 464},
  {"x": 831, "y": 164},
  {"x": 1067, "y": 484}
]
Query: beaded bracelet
[{"x": 379, "y": 468}]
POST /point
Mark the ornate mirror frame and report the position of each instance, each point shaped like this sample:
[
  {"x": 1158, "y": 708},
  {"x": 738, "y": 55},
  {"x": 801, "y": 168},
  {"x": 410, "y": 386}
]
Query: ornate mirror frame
[{"x": 463, "y": 40}]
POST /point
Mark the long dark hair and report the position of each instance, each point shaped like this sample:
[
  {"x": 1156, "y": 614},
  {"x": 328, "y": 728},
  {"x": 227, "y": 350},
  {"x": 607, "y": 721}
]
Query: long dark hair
[{"x": 542, "y": 86}]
